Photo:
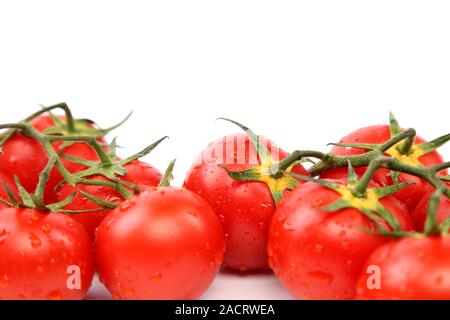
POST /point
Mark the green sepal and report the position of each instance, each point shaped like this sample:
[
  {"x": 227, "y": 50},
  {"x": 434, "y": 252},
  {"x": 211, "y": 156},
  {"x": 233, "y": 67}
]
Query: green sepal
[
  {"x": 83, "y": 127},
  {"x": 261, "y": 149},
  {"x": 100, "y": 202},
  {"x": 324, "y": 183},
  {"x": 394, "y": 126},
  {"x": 386, "y": 233},
  {"x": 336, "y": 206},
  {"x": 14, "y": 201},
  {"x": 390, "y": 219},
  {"x": 431, "y": 146},
  {"x": 6, "y": 203},
  {"x": 431, "y": 224},
  {"x": 369, "y": 146},
  {"x": 388, "y": 190},
  {"x": 395, "y": 176},
  {"x": 445, "y": 226},
  {"x": 58, "y": 205},
  {"x": 352, "y": 176},
  {"x": 26, "y": 197},
  {"x": 167, "y": 178}
]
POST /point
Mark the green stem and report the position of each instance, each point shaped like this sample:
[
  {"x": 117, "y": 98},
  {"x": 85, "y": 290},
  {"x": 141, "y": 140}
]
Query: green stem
[
  {"x": 360, "y": 189},
  {"x": 69, "y": 116},
  {"x": 407, "y": 134},
  {"x": 91, "y": 141},
  {"x": 298, "y": 155},
  {"x": 441, "y": 166},
  {"x": 406, "y": 146}
]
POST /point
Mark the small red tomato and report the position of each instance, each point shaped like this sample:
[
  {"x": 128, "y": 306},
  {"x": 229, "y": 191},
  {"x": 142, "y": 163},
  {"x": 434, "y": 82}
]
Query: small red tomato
[
  {"x": 165, "y": 243},
  {"x": 140, "y": 173},
  {"x": 420, "y": 213},
  {"x": 245, "y": 208},
  {"x": 407, "y": 269},
  {"x": 319, "y": 254},
  {"x": 25, "y": 157},
  {"x": 43, "y": 256},
  {"x": 379, "y": 134}
]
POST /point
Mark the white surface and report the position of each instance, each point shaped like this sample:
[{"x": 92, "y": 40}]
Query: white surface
[
  {"x": 227, "y": 285},
  {"x": 303, "y": 73}
]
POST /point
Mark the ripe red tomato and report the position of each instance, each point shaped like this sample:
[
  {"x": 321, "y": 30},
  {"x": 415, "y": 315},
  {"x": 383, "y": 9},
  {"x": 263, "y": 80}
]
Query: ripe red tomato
[
  {"x": 245, "y": 208},
  {"x": 379, "y": 134},
  {"x": 140, "y": 173},
  {"x": 24, "y": 157},
  {"x": 419, "y": 215},
  {"x": 42, "y": 255},
  {"x": 318, "y": 254},
  {"x": 409, "y": 269},
  {"x": 165, "y": 243}
]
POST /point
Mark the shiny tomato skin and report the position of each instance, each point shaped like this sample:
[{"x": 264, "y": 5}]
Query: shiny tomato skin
[
  {"x": 420, "y": 213},
  {"x": 379, "y": 134},
  {"x": 24, "y": 157},
  {"x": 244, "y": 208},
  {"x": 318, "y": 254},
  {"x": 165, "y": 243},
  {"x": 410, "y": 269},
  {"x": 37, "y": 248},
  {"x": 140, "y": 173}
]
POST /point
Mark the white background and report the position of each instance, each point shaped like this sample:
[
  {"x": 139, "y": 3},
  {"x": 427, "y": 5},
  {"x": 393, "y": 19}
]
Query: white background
[{"x": 303, "y": 73}]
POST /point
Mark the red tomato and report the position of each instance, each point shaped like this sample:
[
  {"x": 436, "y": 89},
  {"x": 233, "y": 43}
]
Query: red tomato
[
  {"x": 24, "y": 157},
  {"x": 41, "y": 254},
  {"x": 245, "y": 208},
  {"x": 420, "y": 213},
  {"x": 140, "y": 173},
  {"x": 409, "y": 269},
  {"x": 318, "y": 254},
  {"x": 379, "y": 134},
  {"x": 165, "y": 243}
]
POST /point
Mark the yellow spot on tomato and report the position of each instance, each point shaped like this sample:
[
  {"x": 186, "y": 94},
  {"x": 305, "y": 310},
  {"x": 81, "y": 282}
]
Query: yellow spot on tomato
[
  {"x": 370, "y": 202},
  {"x": 412, "y": 158}
]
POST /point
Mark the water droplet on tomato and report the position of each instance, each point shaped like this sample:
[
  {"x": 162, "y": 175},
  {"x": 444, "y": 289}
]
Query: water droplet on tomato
[
  {"x": 116, "y": 296},
  {"x": 318, "y": 202},
  {"x": 4, "y": 281},
  {"x": 192, "y": 213},
  {"x": 439, "y": 280},
  {"x": 155, "y": 276},
  {"x": 55, "y": 296},
  {"x": 46, "y": 228},
  {"x": 345, "y": 245},
  {"x": 321, "y": 277},
  {"x": 69, "y": 224},
  {"x": 288, "y": 226},
  {"x": 318, "y": 248},
  {"x": 243, "y": 267},
  {"x": 266, "y": 205},
  {"x": 211, "y": 159},
  {"x": 262, "y": 225},
  {"x": 129, "y": 292},
  {"x": 34, "y": 216},
  {"x": 3, "y": 235},
  {"x": 34, "y": 241}
]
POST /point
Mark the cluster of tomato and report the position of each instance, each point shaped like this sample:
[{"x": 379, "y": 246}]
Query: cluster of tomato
[{"x": 63, "y": 218}]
